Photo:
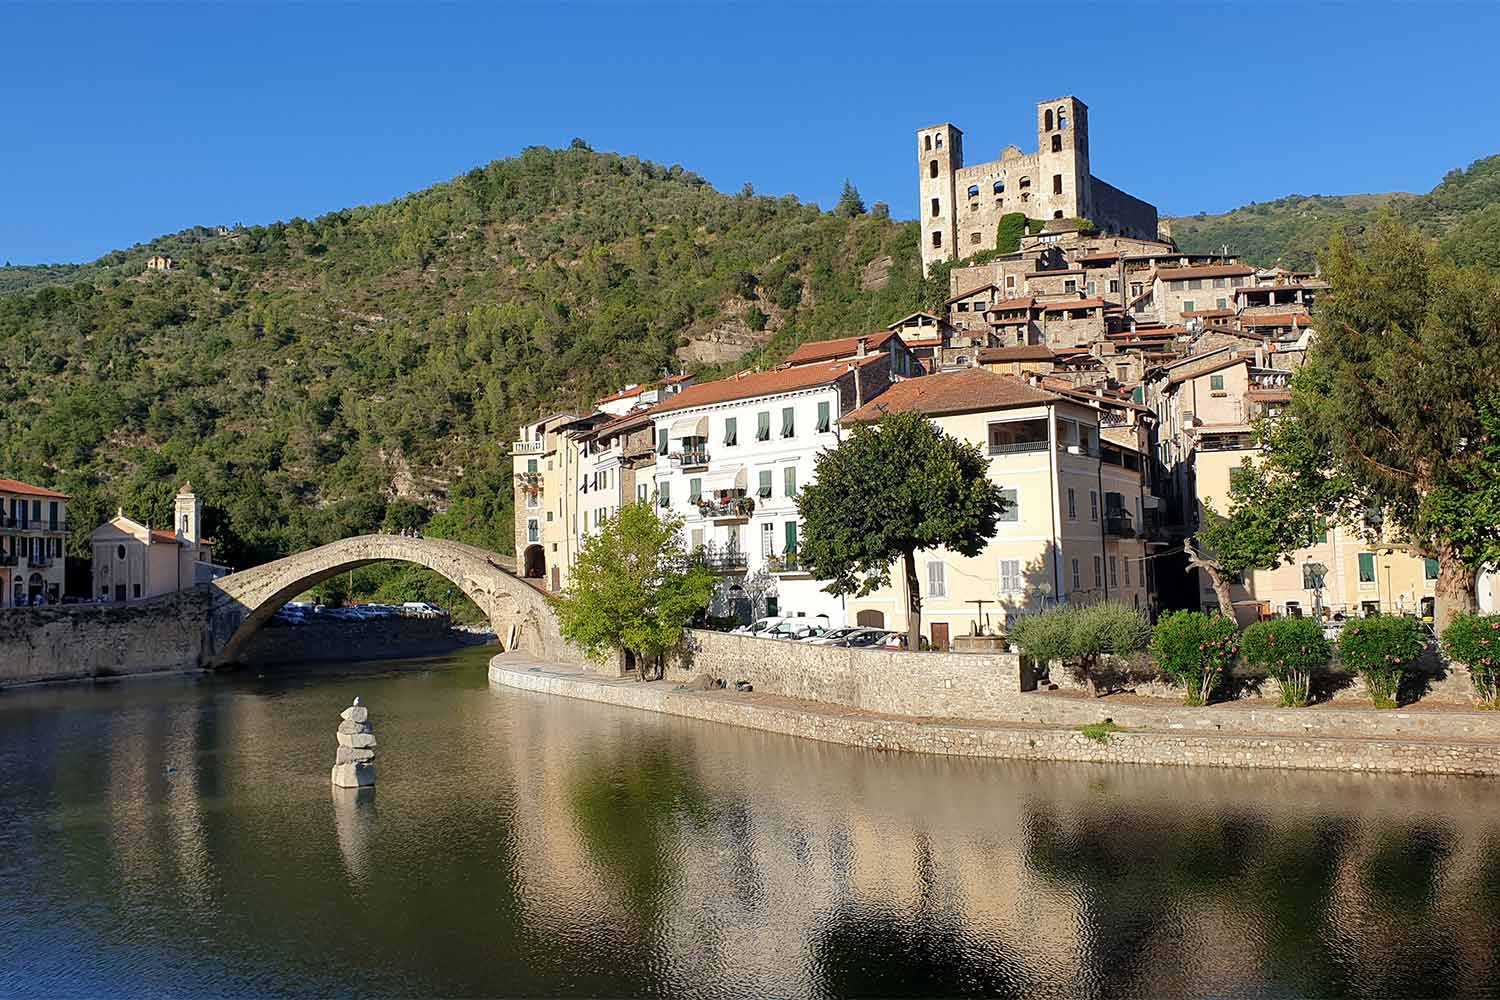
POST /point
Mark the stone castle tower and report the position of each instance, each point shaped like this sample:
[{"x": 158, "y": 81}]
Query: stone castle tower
[{"x": 961, "y": 206}]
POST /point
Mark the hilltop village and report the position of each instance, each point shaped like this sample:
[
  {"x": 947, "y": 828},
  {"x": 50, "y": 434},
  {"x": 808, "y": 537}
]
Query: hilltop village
[{"x": 1112, "y": 379}]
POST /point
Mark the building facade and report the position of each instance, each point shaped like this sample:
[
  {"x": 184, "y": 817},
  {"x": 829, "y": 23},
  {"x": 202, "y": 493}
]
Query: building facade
[
  {"x": 33, "y": 533},
  {"x": 1069, "y": 534},
  {"x": 961, "y": 205},
  {"x": 133, "y": 561}
]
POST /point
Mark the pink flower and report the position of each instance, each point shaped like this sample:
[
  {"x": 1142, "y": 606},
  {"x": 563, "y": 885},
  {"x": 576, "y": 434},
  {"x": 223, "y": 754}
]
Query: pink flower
[{"x": 1494, "y": 625}]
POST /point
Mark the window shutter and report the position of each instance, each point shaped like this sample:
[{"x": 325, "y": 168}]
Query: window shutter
[
  {"x": 789, "y": 474},
  {"x": 788, "y": 422},
  {"x": 937, "y": 579},
  {"x": 731, "y": 431},
  {"x": 763, "y": 425},
  {"x": 765, "y": 484},
  {"x": 824, "y": 418}
]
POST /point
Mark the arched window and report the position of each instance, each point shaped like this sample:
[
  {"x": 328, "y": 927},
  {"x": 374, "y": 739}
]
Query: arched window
[
  {"x": 1056, "y": 142},
  {"x": 999, "y": 187},
  {"x": 928, "y": 141},
  {"x": 119, "y": 552},
  {"x": 939, "y": 142},
  {"x": 1025, "y": 183},
  {"x": 1062, "y": 118},
  {"x": 932, "y": 169},
  {"x": 1047, "y": 121},
  {"x": 973, "y": 190}
]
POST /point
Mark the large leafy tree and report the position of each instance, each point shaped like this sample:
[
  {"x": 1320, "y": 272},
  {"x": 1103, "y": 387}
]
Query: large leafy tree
[
  {"x": 1407, "y": 347},
  {"x": 888, "y": 491},
  {"x": 631, "y": 588}
]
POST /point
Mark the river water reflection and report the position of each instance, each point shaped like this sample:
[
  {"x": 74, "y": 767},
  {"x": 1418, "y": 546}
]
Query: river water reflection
[{"x": 180, "y": 835}]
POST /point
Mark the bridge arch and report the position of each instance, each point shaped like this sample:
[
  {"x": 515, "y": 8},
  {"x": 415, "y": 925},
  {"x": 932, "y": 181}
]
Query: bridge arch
[{"x": 246, "y": 600}]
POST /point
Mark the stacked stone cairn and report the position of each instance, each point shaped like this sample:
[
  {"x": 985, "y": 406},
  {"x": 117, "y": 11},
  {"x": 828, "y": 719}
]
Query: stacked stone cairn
[{"x": 355, "y": 765}]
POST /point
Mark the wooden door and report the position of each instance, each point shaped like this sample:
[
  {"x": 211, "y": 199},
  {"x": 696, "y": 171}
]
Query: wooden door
[{"x": 939, "y": 635}]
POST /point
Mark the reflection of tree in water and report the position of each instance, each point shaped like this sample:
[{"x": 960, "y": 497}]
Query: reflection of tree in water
[
  {"x": 886, "y": 953},
  {"x": 628, "y": 811}
]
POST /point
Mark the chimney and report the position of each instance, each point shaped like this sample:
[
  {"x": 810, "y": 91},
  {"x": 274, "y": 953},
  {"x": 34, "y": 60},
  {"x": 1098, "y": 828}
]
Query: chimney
[{"x": 860, "y": 346}]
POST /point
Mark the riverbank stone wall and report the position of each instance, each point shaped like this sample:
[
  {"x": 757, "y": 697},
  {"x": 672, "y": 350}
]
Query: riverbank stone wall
[
  {"x": 943, "y": 685},
  {"x": 69, "y": 641}
]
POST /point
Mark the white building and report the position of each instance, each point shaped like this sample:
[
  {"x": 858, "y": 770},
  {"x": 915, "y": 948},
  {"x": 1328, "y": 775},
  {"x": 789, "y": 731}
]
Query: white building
[
  {"x": 731, "y": 457},
  {"x": 133, "y": 560}
]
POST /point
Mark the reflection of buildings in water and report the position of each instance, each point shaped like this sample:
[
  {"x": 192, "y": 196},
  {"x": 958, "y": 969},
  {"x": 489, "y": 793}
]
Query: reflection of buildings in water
[
  {"x": 1143, "y": 880},
  {"x": 355, "y": 821}
]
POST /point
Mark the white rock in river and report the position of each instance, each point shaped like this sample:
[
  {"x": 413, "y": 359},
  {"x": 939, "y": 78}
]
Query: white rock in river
[
  {"x": 354, "y": 775},
  {"x": 355, "y": 713},
  {"x": 357, "y": 739}
]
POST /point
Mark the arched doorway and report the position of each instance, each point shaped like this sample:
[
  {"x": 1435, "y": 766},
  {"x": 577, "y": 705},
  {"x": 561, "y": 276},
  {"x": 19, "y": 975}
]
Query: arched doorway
[
  {"x": 870, "y": 619},
  {"x": 18, "y": 592},
  {"x": 34, "y": 587},
  {"x": 534, "y": 562}
]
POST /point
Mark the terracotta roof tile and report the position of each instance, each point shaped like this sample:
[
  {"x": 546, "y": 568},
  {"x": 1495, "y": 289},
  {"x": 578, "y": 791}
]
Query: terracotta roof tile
[
  {"x": 785, "y": 379},
  {"x": 842, "y": 347},
  {"x": 973, "y": 390},
  {"x": 1204, "y": 271},
  {"x": 1073, "y": 304},
  {"x": 1016, "y": 352},
  {"x": 1277, "y": 319},
  {"x": 26, "y": 489},
  {"x": 1007, "y": 305},
  {"x": 973, "y": 291}
]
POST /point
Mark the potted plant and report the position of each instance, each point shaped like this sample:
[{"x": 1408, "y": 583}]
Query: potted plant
[
  {"x": 1474, "y": 641},
  {"x": 1290, "y": 650},
  {"x": 1381, "y": 649}
]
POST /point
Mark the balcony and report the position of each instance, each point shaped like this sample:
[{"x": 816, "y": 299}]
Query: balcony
[
  {"x": 527, "y": 447},
  {"x": 1119, "y": 524},
  {"x": 6, "y": 559},
  {"x": 719, "y": 560},
  {"x": 727, "y": 510},
  {"x": 32, "y": 524},
  {"x": 695, "y": 458},
  {"x": 787, "y": 564},
  {"x": 1016, "y": 447},
  {"x": 39, "y": 562}
]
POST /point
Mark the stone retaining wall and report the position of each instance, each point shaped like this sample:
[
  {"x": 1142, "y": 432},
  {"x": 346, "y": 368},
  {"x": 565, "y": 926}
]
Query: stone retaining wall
[
  {"x": 105, "y": 640},
  {"x": 348, "y": 641},
  {"x": 1016, "y": 740},
  {"x": 953, "y": 685}
]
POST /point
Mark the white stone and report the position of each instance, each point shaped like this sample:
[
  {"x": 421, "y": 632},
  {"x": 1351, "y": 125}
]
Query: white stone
[
  {"x": 357, "y": 740},
  {"x": 355, "y": 713},
  {"x": 353, "y": 775}
]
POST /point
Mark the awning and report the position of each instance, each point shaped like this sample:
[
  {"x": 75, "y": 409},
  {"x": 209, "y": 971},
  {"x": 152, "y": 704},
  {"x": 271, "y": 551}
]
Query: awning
[
  {"x": 691, "y": 427},
  {"x": 730, "y": 477}
]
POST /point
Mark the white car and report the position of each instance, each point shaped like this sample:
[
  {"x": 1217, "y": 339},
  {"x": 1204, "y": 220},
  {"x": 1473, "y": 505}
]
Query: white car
[
  {"x": 422, "y": 609},
  {"x": 758, "y": 626},
  {"x": 834, "y": 637}
]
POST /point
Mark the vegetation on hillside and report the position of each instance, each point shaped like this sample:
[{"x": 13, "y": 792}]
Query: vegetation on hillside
[
  {"x": 308, "y": 375},
  {"x": 1462, "y": 213}
]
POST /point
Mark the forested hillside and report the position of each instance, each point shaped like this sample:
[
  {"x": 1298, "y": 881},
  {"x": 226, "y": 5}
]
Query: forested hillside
[
  {"x": 1462, "y": 213},
  {"x": 326, "y": 376}
]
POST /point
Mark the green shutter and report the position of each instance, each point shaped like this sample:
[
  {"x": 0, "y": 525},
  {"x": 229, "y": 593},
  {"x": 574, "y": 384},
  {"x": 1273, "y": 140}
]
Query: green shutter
[
  {"x": 1367, "y": 567},
  {"x": 666, "y": 494},
  {"x": 765, "y": 483},
  {"x": 1431, "y": 567},
  {"x": 791, "y": 537},
  {"x": 1216, "y": 381},
  {"x": 731, "y": 431},
  {"x": 790, "y": 474},
  {"x": 763, "y": 425},
  {"x": 824, "y": 421},
  {"x": 695, "y": 490}
]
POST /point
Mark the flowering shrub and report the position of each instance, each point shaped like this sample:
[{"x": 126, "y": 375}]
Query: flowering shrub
[
  {"x": 1290, "y": 650},
  {"x": 1194, "y": 649},
  {"x": 1474, "y": 641},
  {"x": 1381, "y": 649}
]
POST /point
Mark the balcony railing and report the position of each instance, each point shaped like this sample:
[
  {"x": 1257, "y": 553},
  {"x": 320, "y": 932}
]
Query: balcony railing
[
  {"x": 733, "y": 507},
  {"x": 690, "y": 459},
  {"x": 717, "y": 559},
  {"x": 1119, "y": 524},
  {"x": 1017, "y": 447},
  {"x": 527, "y": 447},
  {"x": 787, "y": 562},
  {"x": 38, "y": 562},
  {"x": 32, "y": 524}
]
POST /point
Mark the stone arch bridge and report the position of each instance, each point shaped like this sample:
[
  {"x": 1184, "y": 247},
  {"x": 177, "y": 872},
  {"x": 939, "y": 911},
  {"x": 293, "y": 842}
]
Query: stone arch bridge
[{"x": 242, "y": 602}]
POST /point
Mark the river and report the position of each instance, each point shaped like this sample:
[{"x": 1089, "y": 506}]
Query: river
[{"x": 179, "y": 836}]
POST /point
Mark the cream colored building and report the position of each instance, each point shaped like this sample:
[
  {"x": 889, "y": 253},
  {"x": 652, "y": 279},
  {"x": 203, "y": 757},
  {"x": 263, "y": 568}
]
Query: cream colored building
[
  {"x": 33, "y": 531},
  {"x": 133, "y": 561},
  {"x": 546, "y": 461},
  {"x": 1070, "y": 534}
]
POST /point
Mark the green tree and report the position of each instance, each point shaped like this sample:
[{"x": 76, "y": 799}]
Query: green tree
[
  {"x": 888, "y": 491},
  {"x": 1390, "y": 394},
  {"x": 850, "y": 203},
  {"x": 628, "y": 589},
  {"x": 1269, "y": 516}
]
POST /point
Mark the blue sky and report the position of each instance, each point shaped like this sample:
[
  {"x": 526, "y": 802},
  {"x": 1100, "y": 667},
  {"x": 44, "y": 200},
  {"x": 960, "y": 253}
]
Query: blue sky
[{"x": 126, "y": 121}]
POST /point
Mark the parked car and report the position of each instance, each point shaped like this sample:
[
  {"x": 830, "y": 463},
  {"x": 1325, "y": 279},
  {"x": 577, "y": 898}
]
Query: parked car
[
  {"x": 790, "y": 628},
  {"x": 897, "y": 640},
  {"x": 758, "y": 626},
  {"x": 863, "y": 638},
  {"x": 833, "y": 637},
  {"x": 421, "y": 609}
]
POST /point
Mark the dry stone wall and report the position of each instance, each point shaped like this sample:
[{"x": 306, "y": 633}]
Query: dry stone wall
[{"x": 105, "y": 640}]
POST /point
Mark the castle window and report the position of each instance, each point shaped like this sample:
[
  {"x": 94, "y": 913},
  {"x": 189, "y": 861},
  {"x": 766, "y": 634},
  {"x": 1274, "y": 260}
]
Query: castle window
[
  {"x": 1025, "y": 183},
  {"x": 1070, "y": 285},
  {"x": 1062, "y": 118},
  {"x": 939, "y": 142},
  {"x": 929, "y": 141},
  {"x": 974, "y": 238},
  {"x": 936, "y": 207},
  {"x": 999, "y": 187},
  {"x": 1057, "y": 214},
  {"x": 1047, "y": 121},
  {"x": 973, "y": 190},
  {"x": 1056, "y": 143},
  {"x": 932, "y": 169},
  {"x": 937, "y": 238},
  {"x": 1057, "y": 183}
]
